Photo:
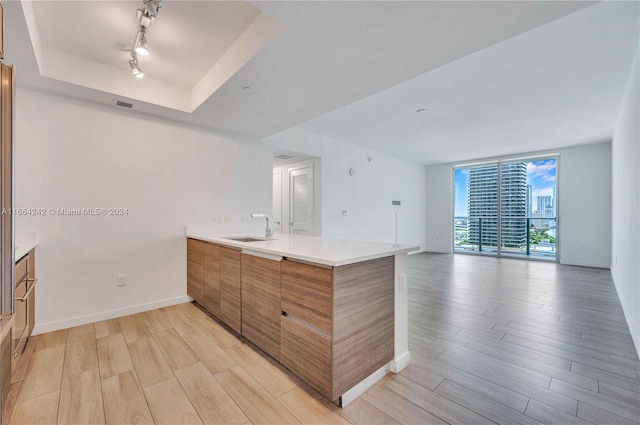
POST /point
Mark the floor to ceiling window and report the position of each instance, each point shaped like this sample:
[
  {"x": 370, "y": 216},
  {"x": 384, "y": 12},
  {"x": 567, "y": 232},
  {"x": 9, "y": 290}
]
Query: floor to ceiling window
[{"x": 507, "y": 208}]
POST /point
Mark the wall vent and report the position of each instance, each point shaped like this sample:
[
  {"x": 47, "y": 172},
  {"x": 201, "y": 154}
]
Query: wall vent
[
  {"x": 282, "y": 156},
  {"x": 123, "y": 104}
]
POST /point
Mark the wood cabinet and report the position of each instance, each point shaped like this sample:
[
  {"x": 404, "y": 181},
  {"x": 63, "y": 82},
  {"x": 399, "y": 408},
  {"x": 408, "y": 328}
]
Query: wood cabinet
[
  {"x": 307, "y": 353},
  {"x": 5, "y": 363},
  {"x": 330, "y": 326},
  {"x": 261, "y": 303},
  {"x": 230, "y": 288},
  {"x": 16, "y": 329},
  {"x": 349, "y": 309},
  {"x": 307, "y": 294},
  {"x": 195, "y": 270},
  {"x": 203, "y": 274},
  {"x": 212, "y": 279},
  {"x": 24, "y": 302},
  {"x": 363, "y": 315}
]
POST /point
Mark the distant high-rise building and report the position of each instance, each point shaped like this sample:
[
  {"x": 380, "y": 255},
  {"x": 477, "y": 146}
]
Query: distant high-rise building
[
  {"x": 482, "y": 204},
  {"x": 529, "y": 200},
  {"x": 545, "y": 205}
]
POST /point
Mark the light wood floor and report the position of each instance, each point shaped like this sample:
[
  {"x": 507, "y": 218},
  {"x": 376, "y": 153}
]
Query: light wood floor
[{"x": 492, "y": 340}]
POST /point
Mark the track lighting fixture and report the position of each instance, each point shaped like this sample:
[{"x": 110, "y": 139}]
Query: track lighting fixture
[
  {"x": 146, "y": 17},
  {"x": 141, "y": 45},
  {"x": 135, "y": 68}
]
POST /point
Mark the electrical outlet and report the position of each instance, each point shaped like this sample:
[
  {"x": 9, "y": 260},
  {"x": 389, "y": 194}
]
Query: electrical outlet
[
  {"x": 121, "y": 280},
  {"x": 245, "y": 219},
  {"x": 218, "y": 219},
  {"x": 402, "y": 281},
  {"x": 228, "y": 219}
]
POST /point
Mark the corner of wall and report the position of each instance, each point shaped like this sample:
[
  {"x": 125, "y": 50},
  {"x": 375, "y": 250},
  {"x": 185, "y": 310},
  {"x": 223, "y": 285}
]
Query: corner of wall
[{"x": 625, "y": 204}]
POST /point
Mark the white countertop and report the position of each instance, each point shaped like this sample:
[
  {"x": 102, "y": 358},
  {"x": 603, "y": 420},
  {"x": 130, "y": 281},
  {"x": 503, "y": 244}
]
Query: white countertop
[
  {"x": 25, "y": 242},
  {"x": 330, "y": 252}
]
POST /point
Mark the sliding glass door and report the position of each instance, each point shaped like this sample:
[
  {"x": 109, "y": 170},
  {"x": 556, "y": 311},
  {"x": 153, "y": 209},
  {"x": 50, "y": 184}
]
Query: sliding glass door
[{"x": 506, "y": 208}]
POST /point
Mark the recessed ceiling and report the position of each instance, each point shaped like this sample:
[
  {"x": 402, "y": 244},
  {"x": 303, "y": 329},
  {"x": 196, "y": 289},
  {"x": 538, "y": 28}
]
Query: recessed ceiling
[
  {"x": 328, "y": 54},
  {"x": 558, "y": 85},
  {"x": 192, "y": 46}
]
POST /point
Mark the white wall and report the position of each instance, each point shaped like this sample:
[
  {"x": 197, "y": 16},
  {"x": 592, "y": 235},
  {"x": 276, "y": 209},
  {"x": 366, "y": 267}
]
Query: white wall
[
  {"x": 76, "y": 155},
  {"x": 625, "y": 254},
  {"x": 368, "y": 194},
  {"x": 584, "y": 196},
  {"x": 585, "y": 205},
  {"x": 440, "y": 208}
]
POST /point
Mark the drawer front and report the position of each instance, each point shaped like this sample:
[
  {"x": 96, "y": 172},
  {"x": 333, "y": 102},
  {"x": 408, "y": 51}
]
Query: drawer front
[
  {"x": 307, "y": 294},
  {"x": 21, "y": 269},
  {"x": 306, "y": 353}
]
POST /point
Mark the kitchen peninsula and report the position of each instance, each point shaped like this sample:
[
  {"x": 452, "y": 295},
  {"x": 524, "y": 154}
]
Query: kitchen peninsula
[{"x": 333, "y": 312}]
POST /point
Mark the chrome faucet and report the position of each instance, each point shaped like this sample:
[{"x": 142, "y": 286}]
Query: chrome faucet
[{"x": 268, "y": 231}]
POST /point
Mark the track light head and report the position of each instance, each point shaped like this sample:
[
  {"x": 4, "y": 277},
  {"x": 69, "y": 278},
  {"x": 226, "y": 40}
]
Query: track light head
[
  {"x": 135, "y": 68},
  {"x": 141, "y": 46}
]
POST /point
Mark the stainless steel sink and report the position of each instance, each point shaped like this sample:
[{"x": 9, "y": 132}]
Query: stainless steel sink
[{"x": 246, "y": 239}]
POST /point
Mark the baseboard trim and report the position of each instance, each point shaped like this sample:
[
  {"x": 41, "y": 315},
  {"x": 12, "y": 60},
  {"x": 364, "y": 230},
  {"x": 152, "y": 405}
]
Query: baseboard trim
[
  {"x": 420, "y": 251},
  {"x": 363, "y": 386},
  {"x": 633, "y": 330},
  {"x": 437, "y": 251},
  {"x": 396, "y": 365},
  {"x": 106, "y": 315},
  {"x": 570, "y": 262}
]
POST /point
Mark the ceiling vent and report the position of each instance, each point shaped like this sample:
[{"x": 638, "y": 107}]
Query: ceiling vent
[
  {"x": 282, "y": 156},
  {"x": 123, "y": 104}
]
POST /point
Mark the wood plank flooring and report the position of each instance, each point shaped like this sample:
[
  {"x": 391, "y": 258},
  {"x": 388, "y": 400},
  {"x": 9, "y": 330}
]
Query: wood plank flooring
[{"x": 492, "y": 341}]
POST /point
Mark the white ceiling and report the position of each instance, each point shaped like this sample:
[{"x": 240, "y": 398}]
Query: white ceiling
[
  {"x": 186, "y": 40},
  {"x": 327, "y": 55},
  {"x": 560, "y": 84},
  {"x": 196, "y": 47},
  {"x": 495, "y": 78}
]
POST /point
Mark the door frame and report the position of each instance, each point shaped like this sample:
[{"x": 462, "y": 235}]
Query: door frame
[
  {"x": 277, "y": 176},
  {"x": 290, "y": 172},
  {"x": 317, "y": 192}
]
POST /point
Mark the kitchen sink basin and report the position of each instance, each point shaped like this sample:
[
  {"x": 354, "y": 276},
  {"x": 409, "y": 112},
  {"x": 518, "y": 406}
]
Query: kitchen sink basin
[{"x": 246, "y": 239}]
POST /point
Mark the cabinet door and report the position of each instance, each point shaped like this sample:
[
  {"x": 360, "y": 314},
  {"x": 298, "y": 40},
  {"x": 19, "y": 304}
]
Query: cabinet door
[
  {"x": 261, "y": 303},
  {"x": 195, "y": 270},
  {"x": 230, "y": 292},
  {"x": 212, "y": 279},
  {"x": 307, "y": 353}
]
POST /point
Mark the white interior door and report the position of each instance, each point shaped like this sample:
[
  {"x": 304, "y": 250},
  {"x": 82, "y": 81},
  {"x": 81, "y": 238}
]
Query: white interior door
[
  {"x": 301, "y": 219},
  {"x": 277, "y": 202}
]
